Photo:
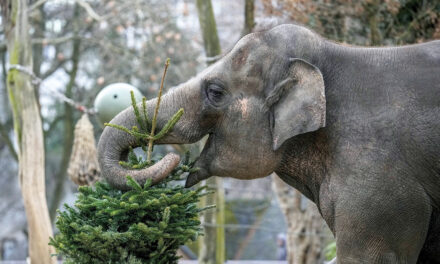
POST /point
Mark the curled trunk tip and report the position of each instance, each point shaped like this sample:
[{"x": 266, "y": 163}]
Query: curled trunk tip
[{"x": 116, "y": 175}]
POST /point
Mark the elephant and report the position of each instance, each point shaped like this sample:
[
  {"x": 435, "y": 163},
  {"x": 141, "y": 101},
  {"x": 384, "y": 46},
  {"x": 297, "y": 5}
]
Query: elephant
[{"x": 355, "y": 129}]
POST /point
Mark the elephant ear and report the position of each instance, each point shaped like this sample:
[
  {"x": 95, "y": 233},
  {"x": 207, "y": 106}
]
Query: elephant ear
[{"x": 297, "y": 102}]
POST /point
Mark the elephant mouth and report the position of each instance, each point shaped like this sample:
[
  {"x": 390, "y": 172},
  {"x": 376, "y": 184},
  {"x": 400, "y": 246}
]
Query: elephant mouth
[
  {"x": 202, "y": 165},
  {"x": 195, "y": 177},
  {"x": 201, "y": 162}
]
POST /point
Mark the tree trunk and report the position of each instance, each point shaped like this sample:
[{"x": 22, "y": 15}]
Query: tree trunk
[
  {"x": 28, "y": 131},
  {"x": 249, "y": 19},
  {"x": 208, "y": 27},
  {"x": 372, "y": 8},
  {"x": 304, "y": 225},
  {"x": 212, "y": 244}
]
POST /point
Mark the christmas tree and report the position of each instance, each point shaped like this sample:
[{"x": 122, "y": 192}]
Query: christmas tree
[{"x": 146, "y": 224}]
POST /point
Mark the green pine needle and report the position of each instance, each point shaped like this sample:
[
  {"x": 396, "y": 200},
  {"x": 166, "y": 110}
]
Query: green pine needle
[
  {"x": 170, "y": 124},
  {"x": 136, "y": 112},
  {"x": 146, "y": 224},
  {"x": 144, "y": 108}
]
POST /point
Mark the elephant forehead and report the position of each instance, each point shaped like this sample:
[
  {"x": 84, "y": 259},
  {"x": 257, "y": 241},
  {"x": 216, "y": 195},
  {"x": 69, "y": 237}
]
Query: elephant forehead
[
  {"x": 239, "y": 58},
  {"x": 246, "y": 48}
]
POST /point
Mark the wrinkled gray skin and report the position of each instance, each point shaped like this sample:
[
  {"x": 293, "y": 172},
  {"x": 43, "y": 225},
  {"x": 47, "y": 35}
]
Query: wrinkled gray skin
[{"x": 356, "y": 130}]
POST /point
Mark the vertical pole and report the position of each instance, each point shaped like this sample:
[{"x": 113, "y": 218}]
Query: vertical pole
[
  {"x": 212, "y": 244},
  {"x": 220, "y": 219}
]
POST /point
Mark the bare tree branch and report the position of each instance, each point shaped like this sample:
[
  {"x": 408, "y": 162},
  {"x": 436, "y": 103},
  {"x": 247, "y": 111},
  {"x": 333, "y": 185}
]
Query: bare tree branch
[
  {"x": 36, "y": 5},
  {"x": 5, "y": 136},
  {"x": 53, "y": 68},
  {"x": 53, "y": 125},
  {"x": 3, "y": 46},
  {"x": 89, "y": 10},
  {"x": 53, "y": 41}
]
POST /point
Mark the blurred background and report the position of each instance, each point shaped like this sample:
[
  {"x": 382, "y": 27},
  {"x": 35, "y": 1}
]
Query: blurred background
[{"x": 79, "y": 47}]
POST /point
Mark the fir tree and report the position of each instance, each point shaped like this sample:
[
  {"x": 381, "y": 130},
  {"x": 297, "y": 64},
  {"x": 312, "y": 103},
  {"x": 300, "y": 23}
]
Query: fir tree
[{"x": 144, "y": 225}]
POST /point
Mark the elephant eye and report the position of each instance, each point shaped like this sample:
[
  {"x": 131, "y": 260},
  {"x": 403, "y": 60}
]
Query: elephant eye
[{"x": 215, "y": 93}]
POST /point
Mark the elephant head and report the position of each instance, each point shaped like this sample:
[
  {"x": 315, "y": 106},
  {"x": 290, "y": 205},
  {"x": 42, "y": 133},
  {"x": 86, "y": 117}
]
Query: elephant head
[{"x": 259, "y": 95}]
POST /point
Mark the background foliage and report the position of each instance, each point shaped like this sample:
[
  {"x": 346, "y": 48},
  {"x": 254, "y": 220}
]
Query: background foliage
[{"x": 364, "y": 22}]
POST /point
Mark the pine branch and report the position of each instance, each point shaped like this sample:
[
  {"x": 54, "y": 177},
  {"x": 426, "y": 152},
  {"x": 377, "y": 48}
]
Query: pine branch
[
  {"x": 132, "y": 132},
  {"x": 146, "y": 224},
  {"x": 169, "y": 125},
  {"x": 136, "y": 112},
  {"x": 144, "y": 111},
  {"x": 143, "y": 121}
]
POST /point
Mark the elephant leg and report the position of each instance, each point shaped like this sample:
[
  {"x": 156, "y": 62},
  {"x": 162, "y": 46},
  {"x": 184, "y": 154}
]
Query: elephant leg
[
  {"x": 384, "y": 223},
  {"x": 376, "y": 248},
  {"x": 430, "y": 252}
]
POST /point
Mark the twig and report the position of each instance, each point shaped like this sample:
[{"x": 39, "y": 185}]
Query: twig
[
  {"x": 53, "y": 68},
  {"x": 53, "y": 41},
  {"x": 36, "y": 5},
  {"x": 89, "y": 10},
  {"x": 156, "y": 110},
  {"x": 4, "y": 135},
  {"x": 3, "y": 46}
]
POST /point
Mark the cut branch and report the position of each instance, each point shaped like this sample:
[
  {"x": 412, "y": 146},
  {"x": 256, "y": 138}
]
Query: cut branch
[
  {"x": 36, "y": 5},
  {"x": 156, "y": 110},
  {"x": 53, "y": 41}
]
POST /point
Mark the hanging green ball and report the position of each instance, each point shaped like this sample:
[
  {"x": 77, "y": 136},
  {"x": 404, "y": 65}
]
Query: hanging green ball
[{"x": 114, "y": 98}]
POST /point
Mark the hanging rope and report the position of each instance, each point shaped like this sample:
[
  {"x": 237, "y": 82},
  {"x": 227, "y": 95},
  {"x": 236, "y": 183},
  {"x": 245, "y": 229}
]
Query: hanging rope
[{"x": 83, "y": 165}]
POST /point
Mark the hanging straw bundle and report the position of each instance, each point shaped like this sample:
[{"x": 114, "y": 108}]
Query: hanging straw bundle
[{"x": 83, "y": 166}]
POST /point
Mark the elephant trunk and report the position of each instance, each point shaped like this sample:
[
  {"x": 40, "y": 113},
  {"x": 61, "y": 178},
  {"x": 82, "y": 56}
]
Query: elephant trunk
[{"x": 114, "y": 144}]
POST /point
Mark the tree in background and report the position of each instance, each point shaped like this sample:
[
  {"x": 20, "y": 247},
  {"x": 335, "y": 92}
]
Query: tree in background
[
  {"x": 28, "y": 129},
  {"x": 249, "y": 16},
  {"x": 364, "y": 22},
  {"x": 305, "y": 227}
]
